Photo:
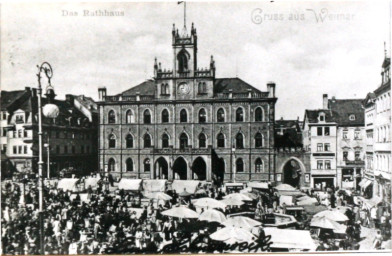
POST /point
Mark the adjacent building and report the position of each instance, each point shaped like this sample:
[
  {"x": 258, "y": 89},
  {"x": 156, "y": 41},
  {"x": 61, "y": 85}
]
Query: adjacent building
[
  {"x": 71, "y": 137},
  {"x": 187, "y": 124},
  {"x": 378, "y": 155},
  {"x": 335, "y": 138}
]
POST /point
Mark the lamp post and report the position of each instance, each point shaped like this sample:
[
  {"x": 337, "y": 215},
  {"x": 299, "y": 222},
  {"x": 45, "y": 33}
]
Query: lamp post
[
  {"x": 50, "y": 110},
  {"x": 46, "y": 145}
]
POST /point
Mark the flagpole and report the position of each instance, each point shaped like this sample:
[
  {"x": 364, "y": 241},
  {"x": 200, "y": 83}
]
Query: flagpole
[{"x": 184, "y": 14}]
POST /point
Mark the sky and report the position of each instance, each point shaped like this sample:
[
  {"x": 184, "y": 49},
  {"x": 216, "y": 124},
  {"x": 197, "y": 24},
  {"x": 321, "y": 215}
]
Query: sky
[{"x": 306, "y": 48}]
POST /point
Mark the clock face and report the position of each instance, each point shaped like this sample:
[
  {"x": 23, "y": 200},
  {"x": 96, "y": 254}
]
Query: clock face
[{"x": 183, "y": 88}]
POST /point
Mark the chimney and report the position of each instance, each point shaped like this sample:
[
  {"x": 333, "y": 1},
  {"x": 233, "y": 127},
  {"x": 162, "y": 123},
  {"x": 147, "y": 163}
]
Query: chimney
[
  {"x": 69, "y": 98},
  {"x": 101, "y": 93},
  {"x": 325, "y": 101},
  {"x": 271, "y": 89}
]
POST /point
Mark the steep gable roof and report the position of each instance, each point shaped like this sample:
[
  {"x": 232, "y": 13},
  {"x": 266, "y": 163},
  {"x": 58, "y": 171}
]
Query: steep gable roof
[
  {"x": 343, "y": 109},
  {"x": 145, "y": 88},
  {"x": 237, "y": 85},
  {"x": 312, "y": 115},
  {"x": 9, "y": 97}
]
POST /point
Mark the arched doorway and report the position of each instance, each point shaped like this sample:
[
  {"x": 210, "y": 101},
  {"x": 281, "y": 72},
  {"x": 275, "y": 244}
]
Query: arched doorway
[
  {"x": 199, "y": 169},
  {"x": 161, "y": 169},
  {"x": 292, "y": 173},
  {"x": 180, "y": 169},
  {"x": 219, "y": 171}
]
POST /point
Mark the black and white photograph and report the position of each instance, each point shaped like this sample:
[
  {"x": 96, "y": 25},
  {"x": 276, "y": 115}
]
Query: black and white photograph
[{"x": 179, "y": 127}]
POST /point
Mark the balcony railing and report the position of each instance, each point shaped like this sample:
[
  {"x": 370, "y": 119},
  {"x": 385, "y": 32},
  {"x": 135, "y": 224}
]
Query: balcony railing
[
  {"x": 243, "y": 95},
  {"x": 188, "y": 150}
]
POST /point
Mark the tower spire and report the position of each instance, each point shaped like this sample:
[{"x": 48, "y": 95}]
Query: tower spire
[
  {"x": 385, "y": 49},
  {"x": 180, "y": 2}
]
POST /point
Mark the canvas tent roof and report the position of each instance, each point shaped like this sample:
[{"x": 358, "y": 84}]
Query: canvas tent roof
[
  {"x": 154, "y": 185},
  {"x": 130, "y": 184},
  {"x": 91, "y": 181},
  {"x": 291, "y": 239},
  {"x": 68, "y": 184},
  {"x": 189, "y": 185}
]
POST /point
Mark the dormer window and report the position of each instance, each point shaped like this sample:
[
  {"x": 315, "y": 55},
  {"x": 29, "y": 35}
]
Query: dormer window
[
  {"x": 322, "y": 117},
  {"x": 352, "y": 117}
]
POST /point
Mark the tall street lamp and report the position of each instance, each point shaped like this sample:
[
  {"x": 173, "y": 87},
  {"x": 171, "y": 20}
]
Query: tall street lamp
[{"x": 50, "y": 110}]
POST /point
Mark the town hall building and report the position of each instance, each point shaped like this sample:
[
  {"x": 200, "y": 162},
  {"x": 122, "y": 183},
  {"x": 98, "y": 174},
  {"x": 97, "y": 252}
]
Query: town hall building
[{"x": 187, "y": 124}]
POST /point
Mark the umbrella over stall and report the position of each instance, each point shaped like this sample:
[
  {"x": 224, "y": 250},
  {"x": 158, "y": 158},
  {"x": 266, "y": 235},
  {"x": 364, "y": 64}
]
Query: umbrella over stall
[
  {"x": 239, "y": 196},
  {"x": 230, "y": 235},
  {"x": 212, "y": 216},
  {"x": 207, "y": 202},
  {"x": 241, "y": 222},
  {"x": 335, "y": 215},
  {"x": 232, "y": 201},
  {"x": 181, "y": 212}
]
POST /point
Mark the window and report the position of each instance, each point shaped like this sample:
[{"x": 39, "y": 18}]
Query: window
[
  {"x": 82, "y": 149},
  {"x": 147, "y": 140},
  {"x": 182, "y": 58},
  {"x": 165, "y": 140},
  {"x": 239, "y": 165},
  {"x": 322, "y": 118},
  {"x": 111, "y": 165},
  {"x": 220, "y": 115},
  {"x": 165, "y": 116},
  {"x": 129, "y": 117},
  {"x": 258, "y": 140},
  {"x": 88, "y": 149},
  {"x": 202, "y": 88},
  {"x": 239, "y": 115},
  {"x": 20, "y": 149},
  {"x": 326, "y": 131},
  {"x": 14, "y": 150},
  {"x": 112, "y": 141},
  {"x": 65, "y": 149},
  {"x": 202, "y": 140},
  {"x": 129, "y": 165},
  {"x": 183, "y": 116},
  {"x": 183, "y": 141},
  {"x": 345, "y": 134},
  {"x": 165, "y": 89},
  {"x": 327, "y": 164},
  {"x": 111, "y": 117},
  {"x": 57, "y": 149},
  {"x": 327, "y": 147},
  {"x": 4, "y": 115},
  {"x": 357, "y": 135},
  {"x": 259, "y": 165},
  {"x": 19, "y": 119},
  {"x": 352, "y": 117},
  {"x": 147, "y": 165},
  {"x": 202, "y": 116},
  {"x": 4, "y": 132},
  {"x": 319, "y": 147},
  {"x": 357, "y": 155},
  {"x": 319, "y": 164},
  {"x": 319, "y": 131},
  {"x": 19, "y": 133},
  {"x": 258, "y": 115},
  {"x": 220, "y": 140},
  {"x": 239, "y": 141},
  {"x": 14, "y": 134},
  {"x": 147, "y": 117},
  {"x": 129, "y": 141},
  {"x": 345, "y": 155}
]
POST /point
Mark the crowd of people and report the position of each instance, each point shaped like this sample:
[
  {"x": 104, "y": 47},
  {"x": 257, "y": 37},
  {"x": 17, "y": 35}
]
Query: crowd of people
[{"x": 106, "y": 223}]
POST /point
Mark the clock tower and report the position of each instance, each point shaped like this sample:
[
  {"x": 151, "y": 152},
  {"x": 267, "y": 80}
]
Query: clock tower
[{"x": 185, "y": 80}]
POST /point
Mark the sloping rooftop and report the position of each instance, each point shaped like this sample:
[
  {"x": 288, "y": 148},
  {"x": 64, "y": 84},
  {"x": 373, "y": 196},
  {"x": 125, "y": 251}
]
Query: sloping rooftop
[
  {"x": 313, "y": 115},
  {"x": 343, "y": 109},
  {"x": 8, "y": 97},
  {"x": 222, "y": 85},
  {"x": 88, "y": 103}
]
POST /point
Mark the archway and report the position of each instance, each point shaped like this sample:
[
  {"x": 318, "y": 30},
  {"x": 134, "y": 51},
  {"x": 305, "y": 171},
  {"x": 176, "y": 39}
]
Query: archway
[
  {"x": 161, "y": 169},
  {"x": 199, "y": 169},
  {"x": 292, "y": 173},
  {"x": 219, "y": 171},
  {"x": 180, "y": 169}
]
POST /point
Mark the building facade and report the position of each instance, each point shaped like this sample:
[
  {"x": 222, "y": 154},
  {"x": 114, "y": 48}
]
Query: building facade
[
  {"x": 71, "y": 137},
  {"x": 188, "y": 124},
  {"x": 378, "y": 158},
  {"x": 335, "y": 138}
]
